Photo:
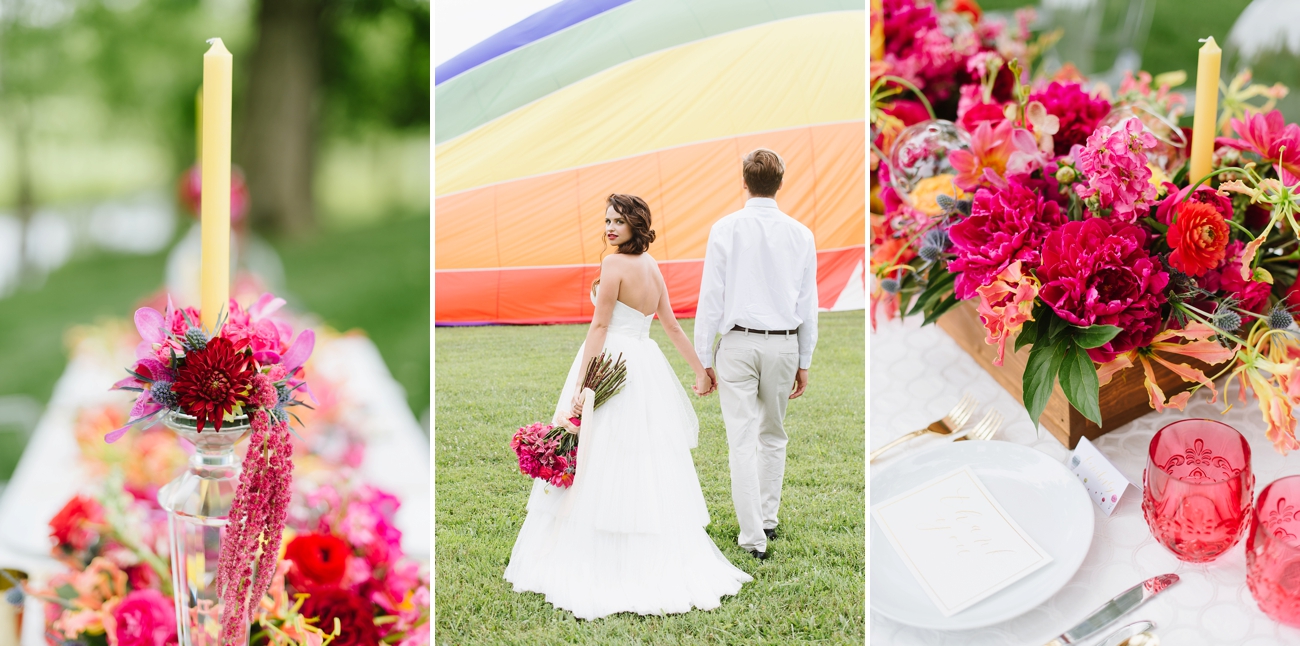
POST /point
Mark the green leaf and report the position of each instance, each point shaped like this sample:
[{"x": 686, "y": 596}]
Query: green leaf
[
  {"x": 1079, "y": 381},
  {"x": 1028, "y": 335},
  {"x": 1057, "y": 326},
  {"x": 1094, "y": 336},
  {"x": 940, "y": 309},
  {"x": 1040, "y": 374}
]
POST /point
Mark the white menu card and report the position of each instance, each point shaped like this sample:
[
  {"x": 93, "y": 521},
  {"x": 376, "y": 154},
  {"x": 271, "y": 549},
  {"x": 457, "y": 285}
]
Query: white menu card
[{"x": 958, "y": 542}]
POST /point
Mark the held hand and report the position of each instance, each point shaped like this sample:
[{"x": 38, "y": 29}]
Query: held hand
[
  {"x": 713, "y": 377},
  {"x": 800, "y": 382},
  {"x": 578, "y": 399},
  {"x": 703, "y": 385}
]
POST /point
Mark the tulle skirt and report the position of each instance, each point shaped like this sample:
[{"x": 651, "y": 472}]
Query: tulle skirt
[{"x": 628, "y": 536}]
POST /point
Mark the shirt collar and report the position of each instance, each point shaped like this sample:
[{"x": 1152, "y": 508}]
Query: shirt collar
[{"x": 761, "y": 201}]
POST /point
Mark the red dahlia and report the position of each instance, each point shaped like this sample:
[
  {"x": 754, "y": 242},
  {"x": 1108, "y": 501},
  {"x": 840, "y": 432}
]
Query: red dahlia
[{"x": 213, "y": 380}]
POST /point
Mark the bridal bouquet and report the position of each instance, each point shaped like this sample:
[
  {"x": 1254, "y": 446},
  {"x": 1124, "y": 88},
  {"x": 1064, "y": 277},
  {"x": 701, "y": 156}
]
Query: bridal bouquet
[
  {"x": 1067, "y": 215},
  {"x": 550, "y": 451},
  {"x": 250, "y": 365}
]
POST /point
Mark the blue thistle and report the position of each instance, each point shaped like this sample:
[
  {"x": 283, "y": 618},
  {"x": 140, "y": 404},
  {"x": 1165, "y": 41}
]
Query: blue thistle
[
  {"x": 15, "y": 596},
  {"x": 1227, "y": 320},
  {"x": 195, "y": 339},
  {"x": 929, "y": 254},
  {"x": 935, "y": 238},
  {"x": 161, "y": 391},
  {"x": 889, "y": 285},
  {"x": 1279, "y": 318},
  {"x": 283, "y": 393}
]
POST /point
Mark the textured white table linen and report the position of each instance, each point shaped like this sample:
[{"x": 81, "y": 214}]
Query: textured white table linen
[
  {"x": 50, "y": 472},
  {"x": 919, "y": 373}
]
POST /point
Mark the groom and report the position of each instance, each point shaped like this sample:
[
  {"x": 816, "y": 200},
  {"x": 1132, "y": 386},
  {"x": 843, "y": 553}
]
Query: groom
[{"x": 759, "y": 290}]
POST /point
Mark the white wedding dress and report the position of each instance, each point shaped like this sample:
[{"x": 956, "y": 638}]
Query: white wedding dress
[{"x": 628, "y": 535}]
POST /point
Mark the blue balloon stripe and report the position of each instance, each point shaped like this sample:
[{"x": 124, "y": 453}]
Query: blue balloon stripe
[{"x": 535, "y": 27}]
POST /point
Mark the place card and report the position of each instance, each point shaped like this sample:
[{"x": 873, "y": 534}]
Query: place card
[
  {"x": 1105, "y": 484},
  {"x": 958, "y": 542}
]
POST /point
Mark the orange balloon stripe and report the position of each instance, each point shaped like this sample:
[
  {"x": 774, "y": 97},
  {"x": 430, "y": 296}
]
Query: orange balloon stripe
[
  {"x": 562, "y": 294},
  {"x": 558, "y": 218}
]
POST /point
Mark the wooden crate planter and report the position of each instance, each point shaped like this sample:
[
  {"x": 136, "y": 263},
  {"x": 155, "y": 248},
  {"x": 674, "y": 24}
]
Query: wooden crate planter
[{"x": 1122, "y": 400}]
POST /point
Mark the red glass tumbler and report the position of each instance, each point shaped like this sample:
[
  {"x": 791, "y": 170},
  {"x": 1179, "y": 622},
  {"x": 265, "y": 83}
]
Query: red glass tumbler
[
  {"x": 1273, "y": 551},
  {"x": 1198, "y": 488}
]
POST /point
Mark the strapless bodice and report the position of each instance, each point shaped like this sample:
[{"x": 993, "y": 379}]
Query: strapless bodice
[{"x": 629, "y": 322}]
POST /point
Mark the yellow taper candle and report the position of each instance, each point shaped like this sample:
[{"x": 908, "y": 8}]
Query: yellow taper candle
[
  {"x": 1207, "y": 110},
  {"x": 215, "y": 210}
]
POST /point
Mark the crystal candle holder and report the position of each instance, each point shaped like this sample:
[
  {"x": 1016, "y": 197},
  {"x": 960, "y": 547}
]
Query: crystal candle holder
[{"x": 198, "y": 506}]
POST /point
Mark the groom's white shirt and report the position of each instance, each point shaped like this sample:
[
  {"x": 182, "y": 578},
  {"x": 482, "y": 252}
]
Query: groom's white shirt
[{"x": 760, "y": 272}]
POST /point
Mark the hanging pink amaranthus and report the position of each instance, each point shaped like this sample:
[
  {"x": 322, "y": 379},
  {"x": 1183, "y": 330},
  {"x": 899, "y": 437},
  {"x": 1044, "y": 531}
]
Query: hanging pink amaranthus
[{"x": 256, "y": 523}]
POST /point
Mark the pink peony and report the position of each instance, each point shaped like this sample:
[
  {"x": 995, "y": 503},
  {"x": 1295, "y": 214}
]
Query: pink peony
[
  {"x": 1098, "y": 272},
  {"x": 1203, "y": 194},
  {"x": 145, "y": 618},
  {"x": 1006, "y": 225},
  {"x": 1115, "y": 170},
  {"x": 1077, "y": 110},
  {"x": 1227, "y": 280}
]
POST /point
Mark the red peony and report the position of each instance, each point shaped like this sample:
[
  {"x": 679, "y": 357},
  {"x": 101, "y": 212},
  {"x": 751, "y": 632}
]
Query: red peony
[
  {"x": 1078, "y": 111},
  {"x": 980, "y": 113},
  {"x": 213, "y": 381},
  {"x": 145, "y": 618},
  {"x": 1198, "y": 237},
  {"x": 318, "y": 560},
  {"x": 1098, "y": 272},
  {"x": 356, "y": 616},
  {"x": 74, "y": 527},
  {"x": 1005, "y": 225}
]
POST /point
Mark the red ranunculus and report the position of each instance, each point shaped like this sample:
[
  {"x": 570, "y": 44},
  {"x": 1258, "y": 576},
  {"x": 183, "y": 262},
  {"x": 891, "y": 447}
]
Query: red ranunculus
[
  {"x": 318, "y": 560},
  {"x": 1198, "y": 237},
  {"x": 74, "y": 526},
  {"x": 1098, "y": 272},
  {"x": 356, "y": 616},
  {"x": 145, "y": 618}
]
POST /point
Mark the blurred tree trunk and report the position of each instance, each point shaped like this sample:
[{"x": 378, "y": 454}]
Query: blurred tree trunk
[
  {"x": 277, "y": 140},
  {"x": 26, "y": 201}
]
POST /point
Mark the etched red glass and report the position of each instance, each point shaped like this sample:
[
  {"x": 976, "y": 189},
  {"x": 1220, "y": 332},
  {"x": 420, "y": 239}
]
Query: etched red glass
[
  {"x": 1273, "y": 551},
  {"x": 1197, "y": 488}
]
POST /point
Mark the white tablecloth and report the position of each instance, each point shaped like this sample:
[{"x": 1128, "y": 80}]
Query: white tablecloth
[
  {"x": 919, "y": 373},
  {"x": 397, "y": 457}
]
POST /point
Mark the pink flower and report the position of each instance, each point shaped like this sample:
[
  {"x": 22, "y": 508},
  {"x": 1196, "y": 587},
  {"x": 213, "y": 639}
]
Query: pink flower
[
  {"x": 991, "y": 146},
  {"x": 145, "y": 618},
  {"x": 1267, "y": 135},
  {"x": 1078, "y": 111},
  {"x": 1227, "y": 280},
  {"x": 1005, "y": 305},
  {"x": 1098, "y": 272},
  {"x": 1006, "y": 225},
  {"x": 1115, "y": 169}
]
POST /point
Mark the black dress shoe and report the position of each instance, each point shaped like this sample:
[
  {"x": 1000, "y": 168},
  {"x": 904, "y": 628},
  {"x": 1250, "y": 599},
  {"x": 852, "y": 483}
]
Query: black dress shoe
[
  {"x": 770, "y": 533},
  {"x": 762, "y": 556}
]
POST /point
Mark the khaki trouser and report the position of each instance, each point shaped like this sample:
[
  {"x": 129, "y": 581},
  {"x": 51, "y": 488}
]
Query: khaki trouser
[{"x": 755, "y": 377}]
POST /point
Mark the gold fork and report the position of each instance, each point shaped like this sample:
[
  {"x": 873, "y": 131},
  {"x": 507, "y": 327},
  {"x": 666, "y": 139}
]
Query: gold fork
[
  {"x": 953, "y": 421},
  {"x": 985, "y": 429}
]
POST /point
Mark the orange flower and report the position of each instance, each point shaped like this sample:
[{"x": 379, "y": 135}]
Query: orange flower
[
  {"x": 1005, "y": 305},
  {"x": 1199, "y": 344}
]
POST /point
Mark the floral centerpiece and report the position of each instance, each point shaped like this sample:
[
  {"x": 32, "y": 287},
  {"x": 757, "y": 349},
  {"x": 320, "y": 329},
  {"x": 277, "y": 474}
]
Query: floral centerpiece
[
  {"x": 1066, "y": 214},
  {"x": 249, "y": 367}
]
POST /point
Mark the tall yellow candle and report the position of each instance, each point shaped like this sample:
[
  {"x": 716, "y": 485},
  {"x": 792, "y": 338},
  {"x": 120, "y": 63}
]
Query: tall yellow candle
[
  {"x": 215, "y": 209},
  {"x": 1207, "y": 110}
]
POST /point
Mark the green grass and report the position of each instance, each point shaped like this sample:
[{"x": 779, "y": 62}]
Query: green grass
[
  {"x": 374, "y": 278},
  {"x": 490, "y": 380}
]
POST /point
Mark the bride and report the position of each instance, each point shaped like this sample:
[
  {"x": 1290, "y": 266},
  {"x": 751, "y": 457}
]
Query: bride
[{"x": 628, "y": 535}]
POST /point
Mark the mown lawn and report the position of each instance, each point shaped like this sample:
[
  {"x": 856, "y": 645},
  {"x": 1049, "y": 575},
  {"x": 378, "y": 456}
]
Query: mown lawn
[{"x": 490, "y": 380}]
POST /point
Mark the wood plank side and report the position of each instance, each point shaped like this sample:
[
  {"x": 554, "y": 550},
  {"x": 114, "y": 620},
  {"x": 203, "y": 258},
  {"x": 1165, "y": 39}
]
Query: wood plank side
[{"x": 1122, "y": 400}]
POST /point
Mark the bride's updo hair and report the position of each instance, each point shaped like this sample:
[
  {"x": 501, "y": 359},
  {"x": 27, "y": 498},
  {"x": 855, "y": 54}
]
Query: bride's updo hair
[{"x": 637, "y": 214}]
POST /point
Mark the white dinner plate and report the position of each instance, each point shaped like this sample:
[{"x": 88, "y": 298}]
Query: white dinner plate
[{"x": 1043, "y": 497}]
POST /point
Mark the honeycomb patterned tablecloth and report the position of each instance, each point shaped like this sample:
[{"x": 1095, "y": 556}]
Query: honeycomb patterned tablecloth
[{"x": 918, "y": 374}]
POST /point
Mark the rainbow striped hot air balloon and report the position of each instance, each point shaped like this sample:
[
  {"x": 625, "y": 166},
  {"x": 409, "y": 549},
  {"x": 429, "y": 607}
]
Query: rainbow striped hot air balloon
[{"x": 538, "y": 124}]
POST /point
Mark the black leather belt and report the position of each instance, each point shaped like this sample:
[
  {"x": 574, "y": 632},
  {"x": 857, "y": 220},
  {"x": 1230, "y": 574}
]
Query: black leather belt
[{"x": 764, "y": 332}]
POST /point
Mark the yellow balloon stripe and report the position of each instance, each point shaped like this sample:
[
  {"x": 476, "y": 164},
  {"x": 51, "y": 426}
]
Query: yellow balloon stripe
[{"x": 782, "y": 74}]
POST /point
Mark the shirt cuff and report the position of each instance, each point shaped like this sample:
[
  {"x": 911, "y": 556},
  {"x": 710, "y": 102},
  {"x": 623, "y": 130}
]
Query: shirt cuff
[{"x": 805, "y": 362}]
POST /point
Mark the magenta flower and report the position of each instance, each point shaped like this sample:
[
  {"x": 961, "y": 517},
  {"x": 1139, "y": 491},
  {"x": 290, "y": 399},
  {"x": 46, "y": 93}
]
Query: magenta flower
[
  {"x": 1115, "y": 169},
  {"x": 1098, "y": 272},
  {"x": 1270, "y": 137},
  {"x": 1078, "y": 111},
  {"x": 1006, "y": 225},
  {"x": 1203, "y": 194},
  {"x": 144, "y": 618}
]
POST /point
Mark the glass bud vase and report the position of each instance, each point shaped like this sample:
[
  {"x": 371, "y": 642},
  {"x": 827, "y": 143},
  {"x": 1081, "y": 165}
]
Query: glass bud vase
[{"x": 198, "y": 505}]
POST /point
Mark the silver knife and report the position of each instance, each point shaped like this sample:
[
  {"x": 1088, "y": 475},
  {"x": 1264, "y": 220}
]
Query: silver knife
[{"x": 1112, "y": 610}]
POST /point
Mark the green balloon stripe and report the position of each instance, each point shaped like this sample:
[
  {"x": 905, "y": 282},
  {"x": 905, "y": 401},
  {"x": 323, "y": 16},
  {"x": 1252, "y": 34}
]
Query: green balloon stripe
[{"x": 635, "y": 29}]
